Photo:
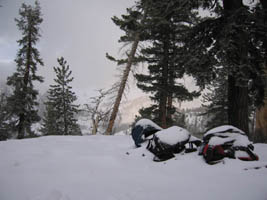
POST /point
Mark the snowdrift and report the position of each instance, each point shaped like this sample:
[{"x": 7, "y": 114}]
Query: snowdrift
[{"x": 112, "y": 168}]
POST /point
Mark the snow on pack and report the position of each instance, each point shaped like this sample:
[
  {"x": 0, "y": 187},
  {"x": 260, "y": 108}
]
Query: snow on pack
[{"x": 217, "y": 143}]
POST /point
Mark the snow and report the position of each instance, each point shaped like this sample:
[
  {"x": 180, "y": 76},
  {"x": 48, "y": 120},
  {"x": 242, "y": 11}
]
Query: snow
[
  {"x": 218, "y": 140},
  {"x": 173, "y": 135},
  {"x": 223, "y": 128},
  {"x": 239, "y": 138},
  {"x": 111, "y": 168},
  {"x": 193, "y": 139},
  {"x": 239, "y": 154},
  {"x": 121, "y": 133},
  {"x": 146, "y": 122}
]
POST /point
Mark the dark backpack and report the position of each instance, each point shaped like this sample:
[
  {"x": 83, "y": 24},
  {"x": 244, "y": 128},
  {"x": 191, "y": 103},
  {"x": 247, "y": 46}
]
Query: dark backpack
[
  {"x": 142, "y": 130},
  {"x": 164, "y": 150}
]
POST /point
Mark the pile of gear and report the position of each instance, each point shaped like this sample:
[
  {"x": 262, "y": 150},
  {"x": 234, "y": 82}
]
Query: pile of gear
[
  {"x": 217, "y": 143},
  {"x": 226, "y": 141}
]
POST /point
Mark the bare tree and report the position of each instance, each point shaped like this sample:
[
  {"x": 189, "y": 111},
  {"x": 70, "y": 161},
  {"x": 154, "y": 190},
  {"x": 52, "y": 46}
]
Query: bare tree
[{"x": 98, "y": 109}]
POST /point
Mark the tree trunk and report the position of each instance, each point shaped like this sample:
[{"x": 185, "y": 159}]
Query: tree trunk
[
  {"x": 21, "y": 128},
  {"x": 237, "y": 105},
  {"x": 122, "y": 85},
  {"x": 163, "y": 110},
  {"x": 21, "y": 125},
  {"x": 164, "y": 85},
  {"x": 95, "y": 125},
  {"x": 237, "y": 94},
  {"x": 64, "y": 111},
  {"x": 261, "y": 124},
  {"x": 169, "y": 110},
  {"x": 261, "y": 113},
  {"x": 171, "y": 83}
]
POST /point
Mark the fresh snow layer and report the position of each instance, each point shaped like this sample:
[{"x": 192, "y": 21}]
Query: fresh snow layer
[
  {"x": 111, "y": 168},
  {"x": 218, "y": 140},
  {"x": 234, "y": 134},
  {"x": 222, "y": 129},
  {"x": 146, "y": 122},
  {"x": 239, "y": 140},
  {"x": 193, "y": 139},
  {"x": 173, "y": 135}
]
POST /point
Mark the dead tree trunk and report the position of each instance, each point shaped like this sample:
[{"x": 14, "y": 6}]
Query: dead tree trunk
[{"x": 122, "y": 85}]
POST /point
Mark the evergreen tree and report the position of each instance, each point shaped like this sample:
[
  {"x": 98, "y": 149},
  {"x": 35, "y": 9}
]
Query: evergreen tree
[
  {"x": 22, "y": 102},
  {"x": 50, "y": 121},
  {"x": 60, "y": 108},
  {"x": 5, "y": 126},
  {"x": 166, "y": 25},
  {"x": 227, "y": 39},
  {"x": 216, "y": 103}
]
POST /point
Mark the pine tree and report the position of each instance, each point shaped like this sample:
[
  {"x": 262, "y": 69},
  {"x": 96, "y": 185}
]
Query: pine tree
[
  {"x": 22, "y": 102},
  {"x": 60, "y": 108},
  {"x": 5, "y": 126},
  {"x": 227, "y": 40},
  {"x": 165, "y": 26},
  {"x": 50, "y": 121}
]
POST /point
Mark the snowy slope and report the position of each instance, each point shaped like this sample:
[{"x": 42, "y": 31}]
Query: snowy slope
[{"x": 110, "y": 168}]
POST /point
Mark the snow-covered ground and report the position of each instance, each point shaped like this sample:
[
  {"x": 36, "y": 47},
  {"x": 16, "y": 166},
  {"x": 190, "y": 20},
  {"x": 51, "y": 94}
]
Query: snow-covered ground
[{"x": 111, "y": 168}]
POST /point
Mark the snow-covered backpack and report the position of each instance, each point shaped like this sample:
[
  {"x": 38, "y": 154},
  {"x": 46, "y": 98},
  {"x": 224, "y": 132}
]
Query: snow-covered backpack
[
  {"x": 226, "y": 141},
  {"x": 167, "y": 142},
  {"x": 142, "y": 130}
]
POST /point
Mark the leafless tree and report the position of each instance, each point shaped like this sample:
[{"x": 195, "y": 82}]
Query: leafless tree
[{"x": 99, "y": 109}]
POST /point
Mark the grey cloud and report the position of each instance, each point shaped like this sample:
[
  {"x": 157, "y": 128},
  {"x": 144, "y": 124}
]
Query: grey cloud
[{"x": 81, "y": 31}]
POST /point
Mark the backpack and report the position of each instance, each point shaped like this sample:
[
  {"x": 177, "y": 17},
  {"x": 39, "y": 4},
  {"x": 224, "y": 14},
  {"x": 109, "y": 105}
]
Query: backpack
[
  {"x": 142, "y": 130},
  {"x": 168, "y": 142},
  {"x": 226, "y": 141}
]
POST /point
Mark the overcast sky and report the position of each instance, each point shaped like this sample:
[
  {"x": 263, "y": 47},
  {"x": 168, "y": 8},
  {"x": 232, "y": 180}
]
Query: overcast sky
[{"x": 81, "y": 31}]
